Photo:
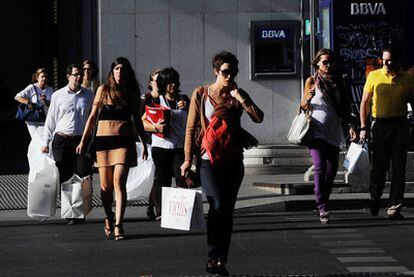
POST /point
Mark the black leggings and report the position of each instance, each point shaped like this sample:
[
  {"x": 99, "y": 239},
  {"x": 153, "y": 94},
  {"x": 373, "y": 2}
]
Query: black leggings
[{"x": 167, "y": 165}]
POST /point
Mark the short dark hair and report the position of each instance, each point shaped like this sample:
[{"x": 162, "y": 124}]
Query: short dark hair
[
  {"x": 225, "y": 57},
  {"x": 71, "y": 66},
  {"x": 168, "y": 76},
  {"x": 395, "y": 53}
]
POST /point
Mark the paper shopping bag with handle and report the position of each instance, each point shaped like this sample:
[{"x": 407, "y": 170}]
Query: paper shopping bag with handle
[{"x": 182, "y": 209}]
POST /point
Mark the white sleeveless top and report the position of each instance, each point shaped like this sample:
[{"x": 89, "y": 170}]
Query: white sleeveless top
[
  {"x": 208, "y": 113},
  {"x": 325, "y": 121}
]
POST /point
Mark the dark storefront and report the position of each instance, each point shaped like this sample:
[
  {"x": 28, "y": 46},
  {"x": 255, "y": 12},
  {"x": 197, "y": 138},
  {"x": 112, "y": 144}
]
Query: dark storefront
[
  {"x": 358, "y": 31},
  {"x": 38, "y": 33}
]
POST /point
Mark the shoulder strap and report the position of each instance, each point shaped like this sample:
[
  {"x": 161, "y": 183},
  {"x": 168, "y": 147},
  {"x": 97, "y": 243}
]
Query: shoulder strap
[
  {"x": 37, "y": 96},
  {"x": 206, "y": 92}
]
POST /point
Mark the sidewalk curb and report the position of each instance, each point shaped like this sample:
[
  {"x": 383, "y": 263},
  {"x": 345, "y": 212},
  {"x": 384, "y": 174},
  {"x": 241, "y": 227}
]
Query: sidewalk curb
[{"x": 343, "y": 201}]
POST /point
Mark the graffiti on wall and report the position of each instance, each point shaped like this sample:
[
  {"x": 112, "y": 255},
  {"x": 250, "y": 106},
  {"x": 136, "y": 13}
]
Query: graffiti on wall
[{"x": 361, "y": 44}]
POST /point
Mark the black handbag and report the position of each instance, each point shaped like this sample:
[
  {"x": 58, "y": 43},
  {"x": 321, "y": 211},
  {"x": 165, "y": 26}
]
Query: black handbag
[
  {"x": 31, "y": 112},
  {"x": 91, "y": 145}
]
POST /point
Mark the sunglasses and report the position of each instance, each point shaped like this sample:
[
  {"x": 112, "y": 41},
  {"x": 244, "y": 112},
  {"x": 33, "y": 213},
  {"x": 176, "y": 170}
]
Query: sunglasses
[
  {"x": 76, "y": 74},
  {"x": 326, "y": 62},
  {"x": 227, "y": 72}
]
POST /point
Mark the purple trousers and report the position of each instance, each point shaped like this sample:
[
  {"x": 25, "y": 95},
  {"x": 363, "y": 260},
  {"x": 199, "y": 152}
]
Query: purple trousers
[{"x": 325, "y": 160}]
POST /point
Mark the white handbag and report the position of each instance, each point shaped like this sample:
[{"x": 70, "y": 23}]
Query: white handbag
[{"x": 300, "y": 127}]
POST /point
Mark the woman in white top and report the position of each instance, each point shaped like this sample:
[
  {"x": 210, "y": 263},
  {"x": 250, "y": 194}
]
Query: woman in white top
[
  {"x": 36, "y": 94},
  {"x": 325, "y": 95},
  {"x": 168, "y": 150}
]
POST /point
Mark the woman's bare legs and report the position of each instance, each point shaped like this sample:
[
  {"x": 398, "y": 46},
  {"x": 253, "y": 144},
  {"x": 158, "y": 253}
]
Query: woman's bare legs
[
  {"x": 120, "y": 175},
  {"x": 106, "y": 175}
]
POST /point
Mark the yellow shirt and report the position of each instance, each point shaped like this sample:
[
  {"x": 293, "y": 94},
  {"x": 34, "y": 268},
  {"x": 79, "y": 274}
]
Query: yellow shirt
[{"x": 390, "y": 93}]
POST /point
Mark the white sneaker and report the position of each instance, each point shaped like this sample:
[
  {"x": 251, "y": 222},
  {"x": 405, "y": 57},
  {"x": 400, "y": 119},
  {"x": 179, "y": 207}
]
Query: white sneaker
[{"x": 324, "y": 217}]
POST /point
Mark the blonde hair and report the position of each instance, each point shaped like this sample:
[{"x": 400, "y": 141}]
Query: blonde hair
[{"x": 37, "y": 73}]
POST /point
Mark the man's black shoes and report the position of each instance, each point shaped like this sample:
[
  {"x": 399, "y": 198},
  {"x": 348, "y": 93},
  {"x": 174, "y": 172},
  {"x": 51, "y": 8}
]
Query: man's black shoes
[
  {"x": 395, "y": 216},
  {"x": 374, "y": 208}
]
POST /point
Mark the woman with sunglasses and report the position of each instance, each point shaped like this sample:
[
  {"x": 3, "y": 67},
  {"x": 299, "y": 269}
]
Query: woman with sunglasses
[
  {"x": 168, "y": 149},
  {"x": 222, "y": 170},
  {"x": 326, "y": 97}
]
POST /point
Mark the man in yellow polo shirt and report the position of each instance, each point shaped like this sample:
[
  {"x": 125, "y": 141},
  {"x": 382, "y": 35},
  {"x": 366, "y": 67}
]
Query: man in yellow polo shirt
[{"x": 389, "y": 89}]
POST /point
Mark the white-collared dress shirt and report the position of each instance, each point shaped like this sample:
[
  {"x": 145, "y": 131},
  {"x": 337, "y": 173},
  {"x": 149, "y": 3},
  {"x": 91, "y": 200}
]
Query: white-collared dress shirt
[{"x": 68, "y": 113}]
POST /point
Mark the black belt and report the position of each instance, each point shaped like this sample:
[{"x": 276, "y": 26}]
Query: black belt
[
  {"x": 395, "y": 119},
  {"x": 72, "y": 137}
]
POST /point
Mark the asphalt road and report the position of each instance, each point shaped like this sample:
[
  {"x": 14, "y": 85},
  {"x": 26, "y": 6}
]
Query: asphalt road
[{"x": 264, "y": 244}]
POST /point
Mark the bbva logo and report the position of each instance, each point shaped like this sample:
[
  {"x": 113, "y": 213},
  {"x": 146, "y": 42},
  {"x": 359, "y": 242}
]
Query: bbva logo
[
  {"x": 368, "y": 8},
  {"x": 273, "y": 34}
]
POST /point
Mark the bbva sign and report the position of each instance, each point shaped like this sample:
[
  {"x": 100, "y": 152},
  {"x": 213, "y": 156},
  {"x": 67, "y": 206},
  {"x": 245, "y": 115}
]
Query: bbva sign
[
  {"x": 273, "y": 34},
  {"x": 368, "y": 9}
]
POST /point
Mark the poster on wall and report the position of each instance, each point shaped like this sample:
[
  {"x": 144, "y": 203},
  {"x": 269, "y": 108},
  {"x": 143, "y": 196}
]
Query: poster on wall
[{"x": 361, "y": 30}]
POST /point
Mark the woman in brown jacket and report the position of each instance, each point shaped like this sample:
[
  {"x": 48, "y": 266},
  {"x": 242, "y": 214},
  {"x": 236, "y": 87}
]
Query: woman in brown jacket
[{"x": 222, "y": 169}]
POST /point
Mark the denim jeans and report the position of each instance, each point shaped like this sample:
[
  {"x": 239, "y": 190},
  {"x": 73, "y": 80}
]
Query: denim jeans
[
  {"x": 221, "y": 184},
  {"x": 325, "y": 160}
]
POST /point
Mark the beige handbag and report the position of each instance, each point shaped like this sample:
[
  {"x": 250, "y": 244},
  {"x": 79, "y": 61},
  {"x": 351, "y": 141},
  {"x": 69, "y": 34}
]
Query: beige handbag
[{"x": 298, "y": 133}]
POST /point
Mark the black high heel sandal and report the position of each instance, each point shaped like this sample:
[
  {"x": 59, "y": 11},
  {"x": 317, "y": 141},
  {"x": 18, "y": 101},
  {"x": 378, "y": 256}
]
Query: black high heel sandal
[
  {"x": 108, "y": 225},
  {"x": 120, "y": 234}
]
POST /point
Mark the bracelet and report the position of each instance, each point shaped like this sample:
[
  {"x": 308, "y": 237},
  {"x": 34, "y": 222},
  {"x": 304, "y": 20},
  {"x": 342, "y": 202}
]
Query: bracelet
[
  {"x": 243, "y": 100},
  {"x": 363, "y": 128}
]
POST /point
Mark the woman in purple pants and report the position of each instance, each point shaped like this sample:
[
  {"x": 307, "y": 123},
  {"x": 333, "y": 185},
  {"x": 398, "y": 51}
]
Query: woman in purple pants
[{"x": 325, "y": 95}]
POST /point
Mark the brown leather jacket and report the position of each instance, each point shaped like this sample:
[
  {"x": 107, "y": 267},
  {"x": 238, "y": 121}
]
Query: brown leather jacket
[{"x": 197, "y": 123}]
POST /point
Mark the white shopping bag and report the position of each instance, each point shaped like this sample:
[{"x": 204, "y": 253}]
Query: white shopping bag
[
  {"x": 76, "y": 197},
  {"x": 357, "y": 156},
  {"x": 182, "y": 209},
  {"x": 42, "y": 189},
  {"x": 34, "y": 153},
  {"x": 140, "y": 177}
]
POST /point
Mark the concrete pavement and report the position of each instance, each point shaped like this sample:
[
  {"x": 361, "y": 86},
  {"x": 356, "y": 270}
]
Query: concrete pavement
[{"x": 274, "y": 235}]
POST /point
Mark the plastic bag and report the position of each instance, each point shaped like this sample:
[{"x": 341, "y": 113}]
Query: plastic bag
[
  {"x": 42, "y": 190},
  {"x": 140, "y": 177},
  {"x": 357, "y": 158}
]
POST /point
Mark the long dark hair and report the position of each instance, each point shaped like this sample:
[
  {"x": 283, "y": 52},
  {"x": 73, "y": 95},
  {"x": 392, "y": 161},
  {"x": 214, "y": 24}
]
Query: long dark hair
[{"x": 126, "y": 94}]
